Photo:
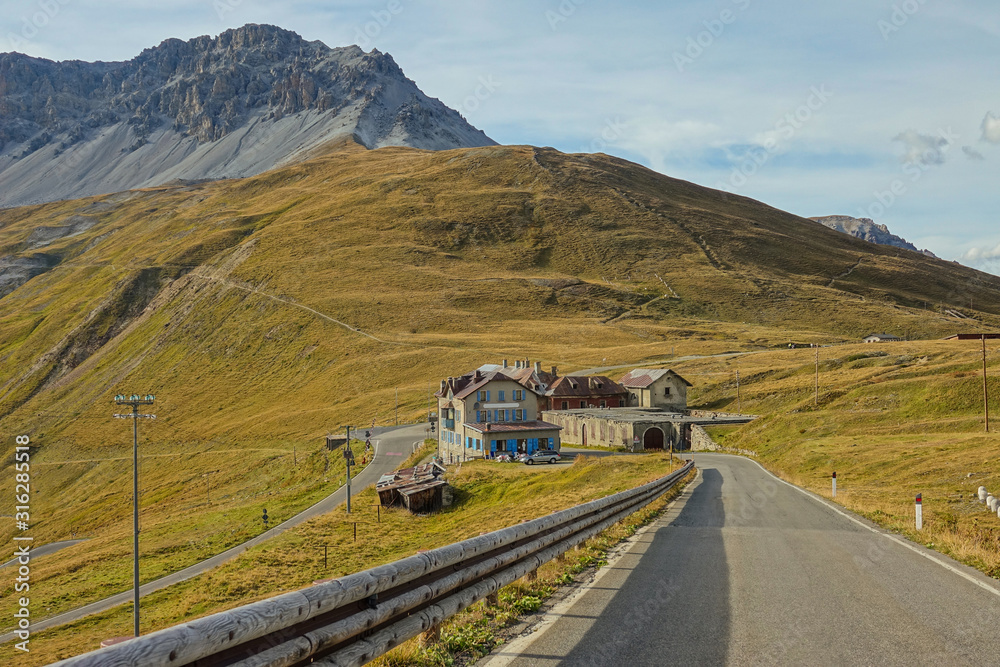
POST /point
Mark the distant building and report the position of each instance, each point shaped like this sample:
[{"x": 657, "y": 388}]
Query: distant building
[
  {"x": 656, "y": 388},
  {"x": 568, "y": 392},
  {"x": 484, "y": 414},
  {"x": 881, "y": 338}
]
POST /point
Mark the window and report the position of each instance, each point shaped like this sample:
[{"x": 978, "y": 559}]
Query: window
[
  {"x": 565, "y": 405},
  {"x": 666, "y": 391},
  {"x": 519, "y": 415},
  {"x": 603, "y": 404},
  {"x": 484, "y": 395},
  {"x": 518, "y": 394},
  {"x": 500, "y": 395},
  {"x": 500, "y": 415},
  {"x": 583, "y": 404}
]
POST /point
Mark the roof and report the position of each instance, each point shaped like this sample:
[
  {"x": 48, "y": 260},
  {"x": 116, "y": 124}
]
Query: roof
[
  {"x": 974, "y": 336},
  {"x": 513, "y": 427},
  {"x": 416, "y": 476},
  {"x": 641, "y": 378},
  {"x": 592, "y": 385},
  {"x": 883, "y": 335},
  {"x": 470, "y": 383}
]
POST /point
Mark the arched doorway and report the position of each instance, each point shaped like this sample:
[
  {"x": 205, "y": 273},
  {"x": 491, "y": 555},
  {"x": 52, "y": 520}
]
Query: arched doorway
[{"x": 652, "y": 438}]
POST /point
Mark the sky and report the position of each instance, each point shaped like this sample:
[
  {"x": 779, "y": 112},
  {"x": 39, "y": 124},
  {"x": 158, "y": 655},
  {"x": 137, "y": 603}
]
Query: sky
[{"x": 884, "y": 109}]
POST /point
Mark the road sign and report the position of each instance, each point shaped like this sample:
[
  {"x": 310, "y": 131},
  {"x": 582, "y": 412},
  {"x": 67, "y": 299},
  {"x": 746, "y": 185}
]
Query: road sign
[{"x": 349, "y": 455}]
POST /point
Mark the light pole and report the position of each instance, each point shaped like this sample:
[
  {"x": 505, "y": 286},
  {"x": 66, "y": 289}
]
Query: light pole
[{"x": 135, "y": 401}]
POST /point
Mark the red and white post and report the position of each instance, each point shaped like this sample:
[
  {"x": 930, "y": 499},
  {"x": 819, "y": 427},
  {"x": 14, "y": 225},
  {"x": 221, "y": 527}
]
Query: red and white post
[
  {"x": 920, "y": 512},
  {"x": 835, "y": 484}
]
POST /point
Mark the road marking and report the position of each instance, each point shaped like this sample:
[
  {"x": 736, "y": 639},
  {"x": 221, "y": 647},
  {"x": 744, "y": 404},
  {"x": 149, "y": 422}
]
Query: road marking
[{"x": 905, "y": 543}]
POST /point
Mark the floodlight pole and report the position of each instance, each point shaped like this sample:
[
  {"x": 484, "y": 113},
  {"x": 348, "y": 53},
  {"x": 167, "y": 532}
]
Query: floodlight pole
[{"x": 135, "y": 401}]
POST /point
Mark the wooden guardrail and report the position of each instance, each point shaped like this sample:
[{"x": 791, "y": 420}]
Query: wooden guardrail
[{"x": 356, "y": 618}]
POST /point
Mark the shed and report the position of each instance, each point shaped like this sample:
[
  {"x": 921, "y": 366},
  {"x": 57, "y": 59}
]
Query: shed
[{"x": 418, "y": 489}]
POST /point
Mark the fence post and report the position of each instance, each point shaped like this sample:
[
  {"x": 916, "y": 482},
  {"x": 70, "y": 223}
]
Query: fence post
[
  {"x": 834, "y": 483},
  {"x": 920, "y": 512}
]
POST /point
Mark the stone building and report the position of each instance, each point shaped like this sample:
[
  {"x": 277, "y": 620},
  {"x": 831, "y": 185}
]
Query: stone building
[{"x": 656, "y": 388}]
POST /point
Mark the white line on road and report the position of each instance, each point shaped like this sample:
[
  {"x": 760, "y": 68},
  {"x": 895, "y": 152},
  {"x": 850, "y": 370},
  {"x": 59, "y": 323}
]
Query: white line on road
[{"x": 901, "y": 542}]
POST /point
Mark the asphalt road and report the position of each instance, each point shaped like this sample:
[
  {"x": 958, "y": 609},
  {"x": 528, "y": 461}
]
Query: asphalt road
[
  {"x": 392, "y": 446},
  {"x": 747, "y": 570}
]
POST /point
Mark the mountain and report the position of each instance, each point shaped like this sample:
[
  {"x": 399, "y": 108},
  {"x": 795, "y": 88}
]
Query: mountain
[
  {"x": 236, "y": 105},
  {"x": 869, "y": 230}
]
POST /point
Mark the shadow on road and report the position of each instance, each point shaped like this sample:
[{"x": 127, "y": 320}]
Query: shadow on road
[{"x": 673, "y": 607}]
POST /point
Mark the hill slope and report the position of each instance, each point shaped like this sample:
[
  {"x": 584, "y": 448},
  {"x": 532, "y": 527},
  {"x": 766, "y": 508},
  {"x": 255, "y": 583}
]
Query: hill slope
[
  {"x": 266, "y": 312},
  {"x": 231, "y": 106}
]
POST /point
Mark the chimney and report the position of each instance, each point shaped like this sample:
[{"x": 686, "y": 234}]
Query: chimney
[
  {"x": 555, "y": 371},
  {"x": 443, "y": 385},
  {"x": 517, "y": 364},
  {"x": 478, "y": 375},
  {"x": 538, "y": 367},
  {"x": 505, "y": 363}
]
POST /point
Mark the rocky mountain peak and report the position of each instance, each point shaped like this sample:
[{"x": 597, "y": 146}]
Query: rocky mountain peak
[
  {"x": 151, "y": 119},
  {"x": 867, "y": 229}
]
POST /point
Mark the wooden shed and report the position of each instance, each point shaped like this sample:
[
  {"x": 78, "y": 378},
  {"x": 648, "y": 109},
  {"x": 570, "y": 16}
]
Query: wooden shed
[{"x": 418, "y": 489}]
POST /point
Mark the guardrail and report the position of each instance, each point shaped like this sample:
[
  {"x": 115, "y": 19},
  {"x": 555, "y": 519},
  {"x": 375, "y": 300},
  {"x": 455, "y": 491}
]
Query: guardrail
[{"x": 354, "y": 619}]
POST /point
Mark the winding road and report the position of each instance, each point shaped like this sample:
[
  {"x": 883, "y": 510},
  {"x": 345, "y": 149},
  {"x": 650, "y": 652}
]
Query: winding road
[
  {"x": 745, "y": 569},
  {"x": 392, "y": 446}
]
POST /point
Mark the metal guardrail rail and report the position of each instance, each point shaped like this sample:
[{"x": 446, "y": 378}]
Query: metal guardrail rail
[{"x": 354, "y": 619}]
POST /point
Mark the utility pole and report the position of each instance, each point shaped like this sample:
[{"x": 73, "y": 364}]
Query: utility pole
[
  {"x": 208, "y": 484},
  {"x": 348, "y": 457},
  {"x": 135, "y": 401},
  {"x": 739, "y": 406},
  {"x": 816, "y": 398},
  {"x": 986, "y": 390}
]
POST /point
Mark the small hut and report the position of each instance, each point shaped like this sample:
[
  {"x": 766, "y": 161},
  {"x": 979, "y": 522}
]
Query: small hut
[{"x": 418, "y": 489}]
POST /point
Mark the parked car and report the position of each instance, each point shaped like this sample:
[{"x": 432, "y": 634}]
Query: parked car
[{"x": 541, "y": 456}]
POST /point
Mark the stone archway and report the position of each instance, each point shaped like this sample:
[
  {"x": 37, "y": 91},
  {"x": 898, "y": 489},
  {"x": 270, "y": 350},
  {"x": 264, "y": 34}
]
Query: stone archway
[{"x": 652, "y": 439}]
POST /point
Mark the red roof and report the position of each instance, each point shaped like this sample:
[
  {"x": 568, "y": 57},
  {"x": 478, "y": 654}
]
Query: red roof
[{"x": 591, "y": 385}]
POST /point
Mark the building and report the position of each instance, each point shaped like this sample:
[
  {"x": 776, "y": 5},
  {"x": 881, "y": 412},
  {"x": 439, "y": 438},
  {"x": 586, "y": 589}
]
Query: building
[
  {"x": 881, "y": 338},
  {"x": 636, "y": 429},
  {"x": 486, "y": 413},
  {"x": 569, "y": 392},
  {"x": 656, "y": 388}
]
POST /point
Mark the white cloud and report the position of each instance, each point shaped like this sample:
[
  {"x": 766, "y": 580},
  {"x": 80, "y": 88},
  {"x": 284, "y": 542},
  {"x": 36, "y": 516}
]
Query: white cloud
[
  {"x": 991, "y": 128},
  {"x": 922, "y": 148},
  {"x": 972, "y": 153},
  {"x": 984, "y": 259}
]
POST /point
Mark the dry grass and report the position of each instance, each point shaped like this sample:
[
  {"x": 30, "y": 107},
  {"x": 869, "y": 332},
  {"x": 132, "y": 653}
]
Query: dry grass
[{"x": 487, "y": 497}]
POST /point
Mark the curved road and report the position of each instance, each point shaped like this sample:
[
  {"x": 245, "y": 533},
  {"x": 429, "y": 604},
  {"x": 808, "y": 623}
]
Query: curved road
[
  {"x": 745, "y": 569},
  {"x": 391, "y": 449}
]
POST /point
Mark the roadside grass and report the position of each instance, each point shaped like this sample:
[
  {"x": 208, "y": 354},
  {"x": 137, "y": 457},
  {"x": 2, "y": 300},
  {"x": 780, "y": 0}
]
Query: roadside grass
[
  {"x": 488, "y": 496},
  {"x": 892, "y": 422}
]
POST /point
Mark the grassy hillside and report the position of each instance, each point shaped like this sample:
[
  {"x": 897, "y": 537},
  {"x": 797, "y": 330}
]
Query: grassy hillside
[
  {"x": 892, "y": 421},
  {"x": 266, "y": 312}
]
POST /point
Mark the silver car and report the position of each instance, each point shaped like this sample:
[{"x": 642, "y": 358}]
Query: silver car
[{"x": 541, "y": 456}]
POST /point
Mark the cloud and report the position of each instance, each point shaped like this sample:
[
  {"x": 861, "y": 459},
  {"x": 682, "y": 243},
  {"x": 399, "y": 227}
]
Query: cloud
[
  {"x": 922, "y": 148},
  {"x": 972, "y": 153},
  {"x": 982, "y": 257},
  {"x": 991, "y": 128}
]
